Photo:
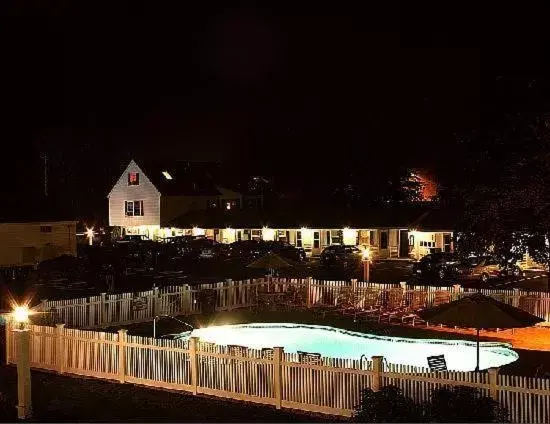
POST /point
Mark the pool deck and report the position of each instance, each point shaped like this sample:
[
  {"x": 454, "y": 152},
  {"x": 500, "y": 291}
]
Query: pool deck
[{"x": 531, "y": 338}]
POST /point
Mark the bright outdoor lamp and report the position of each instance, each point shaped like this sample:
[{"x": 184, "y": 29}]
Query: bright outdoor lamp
[
  {"x": 20, "y": 314},
  {"x": 366, "y": 254}
]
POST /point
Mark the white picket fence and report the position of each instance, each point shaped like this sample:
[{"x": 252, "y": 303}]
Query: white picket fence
[
  {"x": 121, "y": 309},
  {"x": 267, "y": 376}
]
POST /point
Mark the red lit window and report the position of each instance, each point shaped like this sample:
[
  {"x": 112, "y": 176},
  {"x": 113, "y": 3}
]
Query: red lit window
[{"x": 133, "y": 178}]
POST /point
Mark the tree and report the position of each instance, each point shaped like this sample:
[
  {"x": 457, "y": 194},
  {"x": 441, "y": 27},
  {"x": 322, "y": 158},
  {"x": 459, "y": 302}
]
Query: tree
[{"x": 506, "y": 192}]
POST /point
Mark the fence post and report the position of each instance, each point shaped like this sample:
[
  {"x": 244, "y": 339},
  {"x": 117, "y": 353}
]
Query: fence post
[
  {"x": 155, "y": 301},
  {"x": 102, "y": 317},
  {"x": 515, "y": 298},
  {"x": 308, "y": 299},
  {"x": 493, "y": 383},
  {"x": 122, "y": 355},
  {"x": 278, "y": 355},
  {"x": 354, "y": 285},
  {"x": 8, "y": 338},
  {"x": 60, "y": 347},
  {"x": 194, "y": 357},
  {"x": 378, "y": 369}
]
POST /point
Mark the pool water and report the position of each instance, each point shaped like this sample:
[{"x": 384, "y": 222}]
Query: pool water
[{"x": 337, "y": 343}]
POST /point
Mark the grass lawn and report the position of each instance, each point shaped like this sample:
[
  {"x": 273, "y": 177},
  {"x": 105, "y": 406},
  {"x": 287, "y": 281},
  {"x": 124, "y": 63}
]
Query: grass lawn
[
  {"x": 59, "y": 398},
  {"x": 529, "y": 363}
]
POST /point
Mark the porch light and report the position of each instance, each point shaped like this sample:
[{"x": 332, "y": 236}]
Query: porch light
[
  {"x": 349, "y": 236},
  {"x": 20, "y": 314},
  {"x": 366, "y": 254},
  {"x": 268, "y": 234}
]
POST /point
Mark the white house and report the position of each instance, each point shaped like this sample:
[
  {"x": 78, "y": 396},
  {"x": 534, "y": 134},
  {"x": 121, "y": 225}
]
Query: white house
[{"x": 145, "y": 200}]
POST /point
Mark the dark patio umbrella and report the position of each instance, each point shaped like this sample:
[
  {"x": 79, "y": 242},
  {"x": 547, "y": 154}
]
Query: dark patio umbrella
[
  {"x": 479, "y": 311},
  {"x": 269, "y": 261}
]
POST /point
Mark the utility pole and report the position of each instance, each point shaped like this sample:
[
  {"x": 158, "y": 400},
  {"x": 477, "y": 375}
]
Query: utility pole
[{"x": 45, "y": 157}]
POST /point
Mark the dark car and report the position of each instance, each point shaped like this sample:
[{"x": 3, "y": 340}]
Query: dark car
[
  {"x": 439, "y": 265},
  {"x": 285, "y": 250},
  {"x": 340, "y": 254},
  {"x": 246, "y": 249}
]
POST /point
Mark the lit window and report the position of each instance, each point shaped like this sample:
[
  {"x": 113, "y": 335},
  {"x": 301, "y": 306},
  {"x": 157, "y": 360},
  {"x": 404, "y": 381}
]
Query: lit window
[
  {"x": 133, "y": 207},
  {"x": 232, "y": 204},
  {"x": 45, "y": 228},
  {"x": 133, "y": 178},
  {"x": 166, "y": 175}
]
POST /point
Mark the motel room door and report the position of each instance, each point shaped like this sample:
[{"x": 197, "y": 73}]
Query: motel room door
[
  {"x": 383, "y": 252},
  {"x": 403, "y": 244}
]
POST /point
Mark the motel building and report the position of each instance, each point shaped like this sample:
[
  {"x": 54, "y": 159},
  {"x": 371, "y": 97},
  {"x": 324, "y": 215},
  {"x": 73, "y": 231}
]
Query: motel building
[{"x": 162, "y": 202}]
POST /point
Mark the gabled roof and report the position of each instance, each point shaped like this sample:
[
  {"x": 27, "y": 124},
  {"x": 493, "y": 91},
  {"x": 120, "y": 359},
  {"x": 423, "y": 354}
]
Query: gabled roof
[
  {"x": 185, "y": 178},
  {"x": 437, "y": 219},
  {"x": 36, "y": 210},
  {"x": 298, "y": 218}
]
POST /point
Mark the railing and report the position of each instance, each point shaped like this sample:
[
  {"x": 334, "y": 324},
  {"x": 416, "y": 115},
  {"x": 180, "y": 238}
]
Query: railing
[
  {"x": 268, "y": 376},
  {"x": 121, "y": 309}
]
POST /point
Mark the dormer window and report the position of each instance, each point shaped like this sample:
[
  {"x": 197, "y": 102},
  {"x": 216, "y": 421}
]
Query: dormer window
[{"x": 133, "y": 178}]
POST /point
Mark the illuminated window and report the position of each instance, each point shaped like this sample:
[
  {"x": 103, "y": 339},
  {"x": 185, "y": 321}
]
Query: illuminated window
[
  {"x": 316, "y": 239},
  {"x": 298, "y": 239},
  {"x": 133, "y": 207},
  {"x": 166, "y": 175},
  {"x": 232, "y": 204},
  {"x": 133, "y": 178},
  {"x": 45, "y": 228}
]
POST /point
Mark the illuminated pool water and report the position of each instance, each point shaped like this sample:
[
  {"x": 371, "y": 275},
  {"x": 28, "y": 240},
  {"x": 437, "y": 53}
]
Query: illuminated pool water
[{"x": 337, "y": 343}]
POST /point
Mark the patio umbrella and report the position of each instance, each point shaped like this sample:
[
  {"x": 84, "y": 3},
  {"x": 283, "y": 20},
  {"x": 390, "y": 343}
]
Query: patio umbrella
[
  {"x": 479, "y": 311},
  {"x": 269, "y": 261}
]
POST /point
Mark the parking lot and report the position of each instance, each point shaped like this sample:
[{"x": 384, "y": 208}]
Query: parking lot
[{"x": 86, "y": 276}]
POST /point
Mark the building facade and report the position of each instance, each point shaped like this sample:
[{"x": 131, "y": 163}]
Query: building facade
[
  {"x": 29, "y": 243},
  {"x": 161, "y": 204}
]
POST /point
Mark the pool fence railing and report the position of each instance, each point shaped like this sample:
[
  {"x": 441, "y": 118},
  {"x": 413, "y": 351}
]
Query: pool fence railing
[
  {"x": 105, "y": 310},
  {"x": 268, "y": 376}
]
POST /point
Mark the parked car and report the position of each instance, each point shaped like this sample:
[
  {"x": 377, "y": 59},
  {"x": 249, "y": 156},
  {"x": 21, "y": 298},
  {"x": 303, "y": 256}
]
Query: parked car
[
  {"x": 439, "y": 265},
  {"x": 203, "y": 248},
  {"x": 133, "y": 238},
  {"x": 340, "y": 253},
  {"x": 247, "y": 250},
  {"x": 485, "y": 268},
  {"x": 285, "y": 250}
]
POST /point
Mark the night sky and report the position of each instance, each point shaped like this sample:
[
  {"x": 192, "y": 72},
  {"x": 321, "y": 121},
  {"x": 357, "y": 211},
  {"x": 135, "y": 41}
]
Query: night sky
[{"x": 308, "y": 89}]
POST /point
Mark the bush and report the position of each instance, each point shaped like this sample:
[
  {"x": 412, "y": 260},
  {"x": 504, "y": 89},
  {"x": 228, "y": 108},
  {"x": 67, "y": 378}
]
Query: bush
[
  {"x": 388, "y": 405},
  {"x": 463, "y": 404},
  {"x": 447, "y": 405}
]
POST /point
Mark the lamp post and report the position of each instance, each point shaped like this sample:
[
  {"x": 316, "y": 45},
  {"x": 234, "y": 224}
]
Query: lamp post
[
  {"x": 366, "y": 264},
  {"x": 90, "y": 235},
  {"x": 20, "y": 316}
]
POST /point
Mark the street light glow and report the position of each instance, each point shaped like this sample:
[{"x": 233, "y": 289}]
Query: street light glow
[{"x": 21, "y": 314}]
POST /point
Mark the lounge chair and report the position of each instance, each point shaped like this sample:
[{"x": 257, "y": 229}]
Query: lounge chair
[
  {"x": 368, "y": 305},
  {"x": 394, "y": 304},
  {"x": 341, "y": 302},
  {"x": 437, "y": 363},
  {"x": 417, "y": 303}
]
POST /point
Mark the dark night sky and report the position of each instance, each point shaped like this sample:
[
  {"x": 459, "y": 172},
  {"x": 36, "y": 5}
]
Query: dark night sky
[{"x": 96, "y": 83}]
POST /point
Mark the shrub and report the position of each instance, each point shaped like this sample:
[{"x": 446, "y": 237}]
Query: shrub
[
  {"x": 463, "y": 404},
  {"x": 388, "y": 405}
]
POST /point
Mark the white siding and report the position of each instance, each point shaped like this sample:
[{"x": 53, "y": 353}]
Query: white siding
[
  {"x": 122, "y": 192},
  {"x": 24, "y": 243}
]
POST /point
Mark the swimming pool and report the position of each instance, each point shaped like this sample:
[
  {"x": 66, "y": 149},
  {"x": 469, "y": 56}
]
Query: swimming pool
[{"x": 337, "y": 343}]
